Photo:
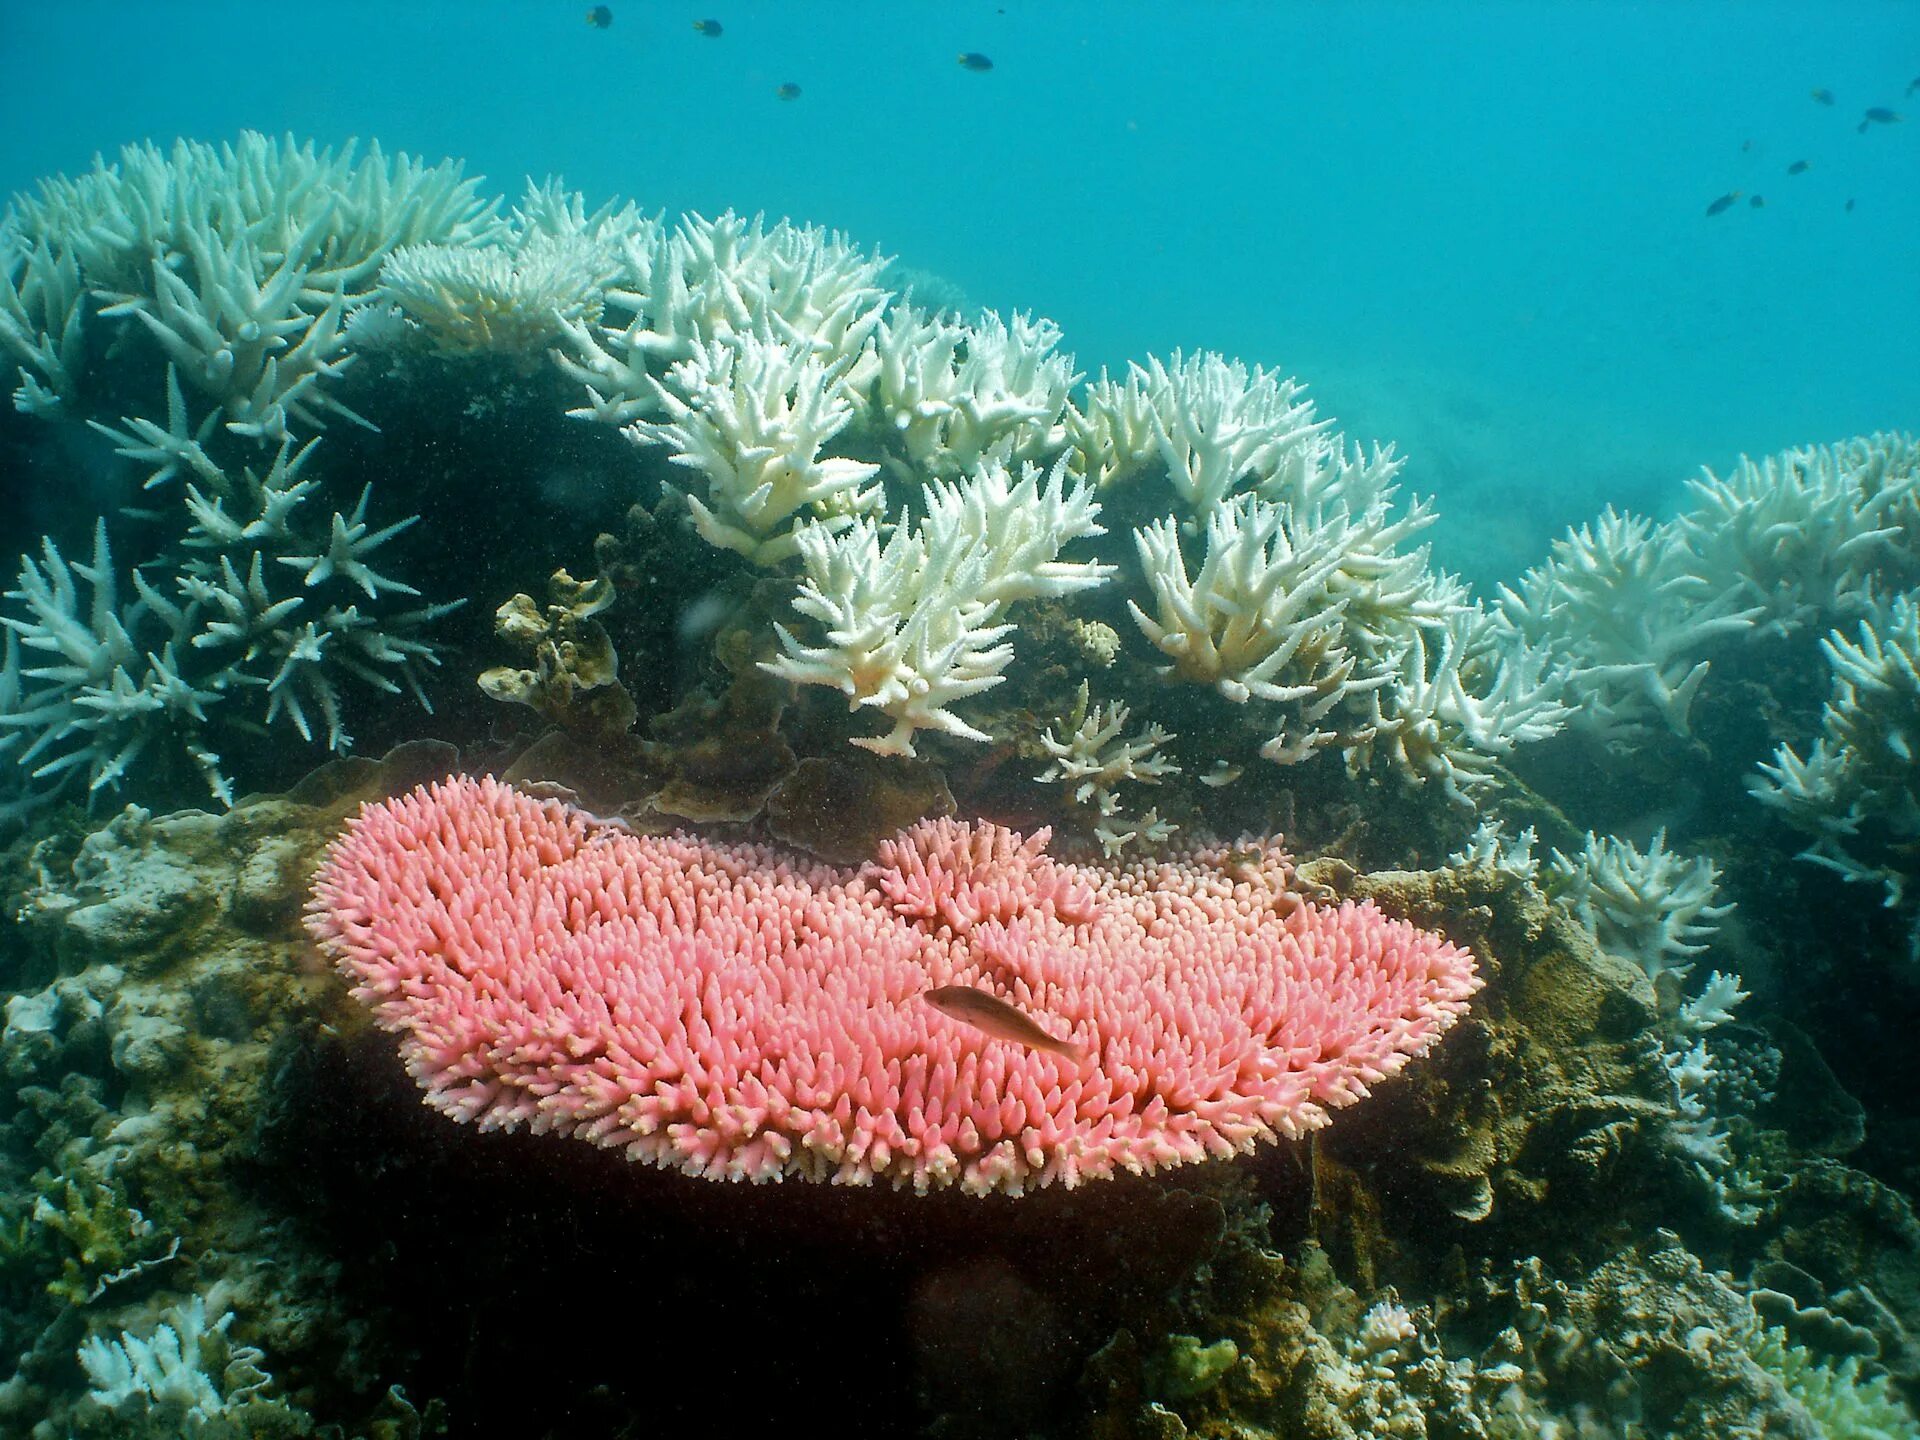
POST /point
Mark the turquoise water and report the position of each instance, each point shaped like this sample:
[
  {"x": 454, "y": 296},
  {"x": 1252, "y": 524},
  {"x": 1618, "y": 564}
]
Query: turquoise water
[{"x": 1476, "y": 230}]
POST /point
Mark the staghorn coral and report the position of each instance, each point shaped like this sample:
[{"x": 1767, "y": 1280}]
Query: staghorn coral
[
  {"x": 712, "y": 282},
  {"x": 1651, "y": 908},
  {"x": 1324, "y": 1003},
  {"x": 753, "y": 422},
  {"x": 1858, "y": 787},
  {"x": 1619, "y": 606},
  {"x": 915, "y": 626},
  {"x": 238, "y": 262},
  {"x": 155, "y": 680}
]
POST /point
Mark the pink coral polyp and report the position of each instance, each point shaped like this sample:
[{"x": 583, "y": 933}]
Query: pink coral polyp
[{"x": 731, "y": 1012}]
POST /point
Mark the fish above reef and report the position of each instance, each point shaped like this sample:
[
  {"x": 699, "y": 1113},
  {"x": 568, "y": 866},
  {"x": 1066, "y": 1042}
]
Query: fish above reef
[
  {"x": 1725, "y": 202},
  {"x": 709, "y": 28},
  {"x": 993, "y": 1016},
  {"x": 788, "y": 91},
  {"x": 1824, "y": 97},
  {"x": 600, "y": 17},
  {"x": 974, "y": 60},
  {"x": 1878, "y": 115},
  {"x": 1799, "y": 167}
]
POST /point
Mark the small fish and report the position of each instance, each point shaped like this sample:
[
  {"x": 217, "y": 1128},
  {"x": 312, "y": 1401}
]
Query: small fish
[
  {"x": 1745, "y": 146},
  {"x": 1725, "y": 202},
  {"x": 1758, "y": 202},
  {"x": 1799, "y": 167},
  {"x": 709, "y": 28},
  {"x": 1823, "y": 97},
  {"x": 974, "y": 60},
  {"x": 1880, "y": 115},
  {"x": 1849, "y": 204},
  {"x": 788, "y": 91},
  {"x": 993, "y": 1016},
  {"x": 1913, "y": 86},
  {"x": 600, "y": 17}
]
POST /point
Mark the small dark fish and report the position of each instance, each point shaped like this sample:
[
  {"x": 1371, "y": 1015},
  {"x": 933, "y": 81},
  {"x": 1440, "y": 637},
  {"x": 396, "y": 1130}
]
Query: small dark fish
[
  {"x": 974, "y": 60},
  {"x": 1913, "y": 86},
  {"x": 1880, "y": 115},
  {"x": 600, "y": 17},
  {"x": 1799, "y": 167},
  {"x": 1758, "y": 202},
  {"x": 1823, "y": 97},
  {"x": 788, "y": 91},
  {"x": 993, "y": 1016},
  {"x": 1745, "y": 146},
  {"x": 709, "y": 28},
  {"x": 1849, "y": 204},
  {"x": 1725, "y": 202}
]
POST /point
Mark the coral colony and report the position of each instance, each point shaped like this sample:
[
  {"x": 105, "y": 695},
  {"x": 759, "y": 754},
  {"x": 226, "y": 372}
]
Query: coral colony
[
  {"x": 898, "y": 585},
  {"x": 539, "y": 972}
]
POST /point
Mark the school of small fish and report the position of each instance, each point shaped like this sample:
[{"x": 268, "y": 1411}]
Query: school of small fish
[
  {"x": 1871, "y": 116},
  {"x": 600, "y": 17}
]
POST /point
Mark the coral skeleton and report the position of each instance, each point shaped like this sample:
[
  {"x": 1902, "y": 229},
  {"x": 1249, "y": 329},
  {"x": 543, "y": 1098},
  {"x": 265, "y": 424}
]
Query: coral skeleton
[
  {"x": 1094, "y": 758},
  {"x": 943, "y": 397},
  {"x": 1857, "y": 789},
  {"x": 1619, "y": 607},
  {"x": 913, "y": 625},
  {"x": 162, "y": 673},
  {"x": 1651, "y": 908},
  {"x": 754, "y": 419}
]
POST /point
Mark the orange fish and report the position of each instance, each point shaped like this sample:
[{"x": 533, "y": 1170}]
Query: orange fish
[{"x": 993, "y": 1016}]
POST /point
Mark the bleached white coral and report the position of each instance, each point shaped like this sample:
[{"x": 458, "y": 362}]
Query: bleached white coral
[
  {"x": 1652, "y": 907},
  {"x": 514, "y": 299},
  {"x": 1212, "y": 425},
  {"x": 1619, "y": 606},
  {"x": 755, "y": 418},
  {"x": 43, "y": 311},
  {"x": 119, "y": 683},
  {"x": 1258, "y": 619},
  {"x": 239, "y": 261},
  {"x": 163, "y": 1376},
  {"x": 942, "y": 396},
  {"x": 714, "y": 280},
  {"x": 1798, "y": 535},
  {"x": 1095, "y": 758},
  {"x": 1458, "y": 703},
  {"x": 1860, "y": 774},
  {"x": 913, "y": 626},
  {"x": 1489, "y": 848}
]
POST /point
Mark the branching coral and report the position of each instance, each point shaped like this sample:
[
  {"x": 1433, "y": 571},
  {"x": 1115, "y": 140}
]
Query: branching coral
[
  {"x": 755, "y": 416},
  {"x": 717, "y": 280},
  {"x": 164, "y": 672},
  {"x": 1650, "y": 907},
  {"x": 942, "y": 396},
  {"x": 1858, "y": 786},
  {"x": 913, "y": 626},
  {"x": 1619, "y": 605},
  {"x": 239, "y": 262}
]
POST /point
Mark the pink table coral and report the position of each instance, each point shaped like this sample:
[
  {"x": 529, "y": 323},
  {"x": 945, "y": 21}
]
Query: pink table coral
[{"x": 735, "y": 1013}]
